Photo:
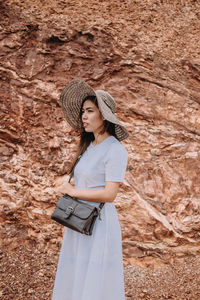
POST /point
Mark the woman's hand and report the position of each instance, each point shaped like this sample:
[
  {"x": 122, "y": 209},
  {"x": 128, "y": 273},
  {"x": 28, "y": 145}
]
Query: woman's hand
[{"x": 64, "y": 187}]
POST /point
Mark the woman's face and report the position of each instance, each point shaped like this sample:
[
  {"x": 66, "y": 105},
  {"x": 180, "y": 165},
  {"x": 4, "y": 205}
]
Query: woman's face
[{"x": 92, "y": 119}]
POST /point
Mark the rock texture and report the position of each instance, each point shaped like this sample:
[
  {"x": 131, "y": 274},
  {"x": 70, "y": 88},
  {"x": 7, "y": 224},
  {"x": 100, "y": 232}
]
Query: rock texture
[{"x": 147, "y": 55}]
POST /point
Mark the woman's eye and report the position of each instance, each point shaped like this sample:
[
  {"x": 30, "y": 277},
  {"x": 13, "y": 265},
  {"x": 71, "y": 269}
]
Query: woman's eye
[{"x": 87, "y": 110}]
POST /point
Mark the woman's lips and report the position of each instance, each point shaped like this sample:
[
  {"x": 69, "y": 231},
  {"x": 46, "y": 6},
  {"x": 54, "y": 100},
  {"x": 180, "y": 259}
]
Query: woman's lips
[{"x": 85, "y": 124}]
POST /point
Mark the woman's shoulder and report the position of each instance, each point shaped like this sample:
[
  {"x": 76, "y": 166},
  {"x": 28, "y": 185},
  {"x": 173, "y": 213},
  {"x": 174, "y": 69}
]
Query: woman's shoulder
[
  {"x": 116, "y": 147},
  {"x": 114, "y": 142}
]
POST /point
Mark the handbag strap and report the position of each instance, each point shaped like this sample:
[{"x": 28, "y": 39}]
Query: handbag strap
[
  {"x": 72, "y": 174},
  {"x": 72, "y": 171}
]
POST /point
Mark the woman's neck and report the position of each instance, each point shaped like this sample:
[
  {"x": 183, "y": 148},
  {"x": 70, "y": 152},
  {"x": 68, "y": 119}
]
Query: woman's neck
[{"x": 98, "y": 138}]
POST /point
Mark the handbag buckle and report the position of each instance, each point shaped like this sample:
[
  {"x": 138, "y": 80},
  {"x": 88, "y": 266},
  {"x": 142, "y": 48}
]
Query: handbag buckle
[{"x": 69, "y": 209}]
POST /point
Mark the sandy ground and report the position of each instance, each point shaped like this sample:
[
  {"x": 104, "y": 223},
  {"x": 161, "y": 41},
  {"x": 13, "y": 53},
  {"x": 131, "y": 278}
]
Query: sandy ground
[{"x": 29, "y": 273}]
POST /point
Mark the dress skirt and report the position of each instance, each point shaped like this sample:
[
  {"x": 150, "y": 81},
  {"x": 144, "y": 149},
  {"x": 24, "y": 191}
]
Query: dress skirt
[{"x": 91, "y": 267}]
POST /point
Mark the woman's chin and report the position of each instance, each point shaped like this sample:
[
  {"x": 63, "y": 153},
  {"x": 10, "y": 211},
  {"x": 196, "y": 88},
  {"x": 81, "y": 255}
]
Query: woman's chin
[{"x": 87, "y": 130}]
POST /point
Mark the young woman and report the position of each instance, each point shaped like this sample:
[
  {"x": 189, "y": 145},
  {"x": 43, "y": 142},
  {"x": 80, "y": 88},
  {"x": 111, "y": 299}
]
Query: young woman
[{"x": 91, "y": 267}]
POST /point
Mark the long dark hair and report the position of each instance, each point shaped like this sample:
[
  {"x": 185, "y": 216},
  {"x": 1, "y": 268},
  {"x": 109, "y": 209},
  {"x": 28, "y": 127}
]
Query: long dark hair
[{"x": 87, "y": 137}]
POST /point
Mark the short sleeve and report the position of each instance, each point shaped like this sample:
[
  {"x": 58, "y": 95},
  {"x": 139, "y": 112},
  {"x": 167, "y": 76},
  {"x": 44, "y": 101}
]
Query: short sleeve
[{"x": 116, "y": 163}]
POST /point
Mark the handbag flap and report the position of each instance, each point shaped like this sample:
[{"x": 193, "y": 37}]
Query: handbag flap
[{"x": 73, "y": 206}]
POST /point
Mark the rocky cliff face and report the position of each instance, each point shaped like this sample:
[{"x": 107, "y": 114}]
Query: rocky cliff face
[{"x": 146, "y": 54}]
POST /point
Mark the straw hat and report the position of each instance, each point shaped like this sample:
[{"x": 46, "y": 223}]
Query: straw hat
[{"x": 71, "y": 100}]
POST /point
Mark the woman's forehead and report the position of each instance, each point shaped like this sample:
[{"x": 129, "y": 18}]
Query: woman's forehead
[{"x": 88, "y": 103}]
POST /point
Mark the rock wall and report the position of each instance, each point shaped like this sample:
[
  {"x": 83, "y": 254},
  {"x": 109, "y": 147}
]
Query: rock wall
[{"x": 146, "y": 54}]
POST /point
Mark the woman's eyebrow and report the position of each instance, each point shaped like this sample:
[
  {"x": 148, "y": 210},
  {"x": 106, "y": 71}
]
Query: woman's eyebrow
[{"x": 89, "y": 107}]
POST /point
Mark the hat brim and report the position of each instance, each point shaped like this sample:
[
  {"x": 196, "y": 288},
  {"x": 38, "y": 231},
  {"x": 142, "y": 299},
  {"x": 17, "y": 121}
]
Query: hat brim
[
  {"x": 71, "y": 100},
  {"x": 120, "y": 130}
]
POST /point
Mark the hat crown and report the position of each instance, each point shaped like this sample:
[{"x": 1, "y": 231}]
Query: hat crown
[{"x": 107, "y": 99}]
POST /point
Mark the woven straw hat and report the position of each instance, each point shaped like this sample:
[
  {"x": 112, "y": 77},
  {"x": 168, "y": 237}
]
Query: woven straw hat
[{"x": 71, "y": 100}]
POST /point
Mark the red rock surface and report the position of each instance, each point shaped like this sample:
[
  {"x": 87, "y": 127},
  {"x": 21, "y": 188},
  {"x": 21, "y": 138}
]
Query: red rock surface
[{"x": 147, "y": 55}]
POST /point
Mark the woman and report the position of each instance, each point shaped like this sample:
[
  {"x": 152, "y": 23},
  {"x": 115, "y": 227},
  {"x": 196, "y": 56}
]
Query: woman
[{"x": 91, "y": 267}]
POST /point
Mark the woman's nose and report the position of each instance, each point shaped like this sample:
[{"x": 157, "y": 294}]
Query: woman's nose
[{"x": 84, "y": 116}]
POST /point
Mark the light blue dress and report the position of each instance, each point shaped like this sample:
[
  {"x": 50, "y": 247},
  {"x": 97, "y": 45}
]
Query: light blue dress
[{"x": 91, "y": 267}]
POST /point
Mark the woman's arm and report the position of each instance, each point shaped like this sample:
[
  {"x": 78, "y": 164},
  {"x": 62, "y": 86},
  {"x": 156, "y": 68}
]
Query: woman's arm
[{"x": 108, "y": 194}]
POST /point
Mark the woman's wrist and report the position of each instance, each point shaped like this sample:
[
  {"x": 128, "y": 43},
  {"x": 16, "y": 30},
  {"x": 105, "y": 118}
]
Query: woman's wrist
[{"x": 72, "y": 192}]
